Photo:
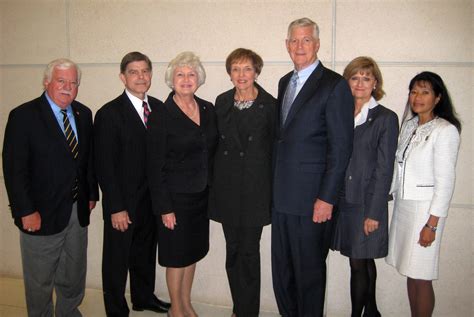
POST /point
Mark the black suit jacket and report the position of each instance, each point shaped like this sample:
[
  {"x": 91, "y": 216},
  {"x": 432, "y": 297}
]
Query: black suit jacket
[
  {"x": 241, "y": 191},
  {"x": 313, "y": 147},
  {"x": 120, "y": 156},
  {"x": 39, "y": 169},
  {"x": 180, "y": 153}
]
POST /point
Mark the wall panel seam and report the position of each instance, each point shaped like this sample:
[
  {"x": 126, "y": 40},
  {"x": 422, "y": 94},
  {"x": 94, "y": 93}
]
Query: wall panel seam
[{"x": 276, "y": 63}]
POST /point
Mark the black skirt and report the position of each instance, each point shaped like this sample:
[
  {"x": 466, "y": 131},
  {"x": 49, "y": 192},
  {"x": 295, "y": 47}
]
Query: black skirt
[{"x": 189, "y": 241}]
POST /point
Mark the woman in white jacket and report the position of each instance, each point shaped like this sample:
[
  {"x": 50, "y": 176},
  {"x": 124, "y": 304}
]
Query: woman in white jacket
[{"x": 423, "y": 185}]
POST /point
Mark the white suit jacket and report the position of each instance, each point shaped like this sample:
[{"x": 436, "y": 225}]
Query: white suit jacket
[{"x": 425, "y": 164}]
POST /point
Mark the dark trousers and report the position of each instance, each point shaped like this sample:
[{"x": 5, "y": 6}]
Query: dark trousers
[
  {"x": 131, "y": 251},
  {"x": 299, "y": 251},
  {"x": 243, "y": 268}
]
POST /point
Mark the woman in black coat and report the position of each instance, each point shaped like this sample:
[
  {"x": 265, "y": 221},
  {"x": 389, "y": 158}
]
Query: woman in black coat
[
  {"x": 240, "y": 195},
  {"x": 361, "y": 230}
]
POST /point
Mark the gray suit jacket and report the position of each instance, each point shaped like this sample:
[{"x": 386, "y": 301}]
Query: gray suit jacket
[{"x": 369, "y": 173}]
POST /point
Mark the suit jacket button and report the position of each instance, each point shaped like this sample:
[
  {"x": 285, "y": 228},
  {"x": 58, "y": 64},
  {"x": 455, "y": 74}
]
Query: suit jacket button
[
  {"x": 241, "y": 154},
  {"x": 350, "y": 177},
  {"x": 222, "y": 136},
  {"x": 250, "y": 138},
  {"x": 225, "y": 152}
]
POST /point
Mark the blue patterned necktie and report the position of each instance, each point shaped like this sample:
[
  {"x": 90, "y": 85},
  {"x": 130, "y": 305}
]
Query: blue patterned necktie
[{"x": 289, "y": 97}]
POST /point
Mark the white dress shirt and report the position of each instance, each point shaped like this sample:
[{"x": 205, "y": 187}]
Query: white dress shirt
[{"x": 138, "y": 104}]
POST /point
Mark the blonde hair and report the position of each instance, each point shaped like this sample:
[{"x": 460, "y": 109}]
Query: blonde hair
[{"x": 365, "y": 64}]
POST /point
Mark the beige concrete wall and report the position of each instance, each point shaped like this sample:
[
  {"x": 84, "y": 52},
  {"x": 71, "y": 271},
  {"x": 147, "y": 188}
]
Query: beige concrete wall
[{"x": 405, "y": 37}]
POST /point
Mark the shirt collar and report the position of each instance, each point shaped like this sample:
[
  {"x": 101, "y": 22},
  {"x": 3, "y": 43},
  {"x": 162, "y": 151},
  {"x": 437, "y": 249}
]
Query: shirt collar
[
  {"x": 54, "y": 106},
  {"x": 137, "y": 102},
  {"x": 304, "y": 73},
  {"x": 361, "y": 118}
]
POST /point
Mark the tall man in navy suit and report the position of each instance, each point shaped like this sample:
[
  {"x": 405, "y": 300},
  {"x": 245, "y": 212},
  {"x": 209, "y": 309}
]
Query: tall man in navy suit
[
  {"x": 129, "y": 224},
  {"x": 48, "y": 170},
  {"x": 312, "y": 149}
]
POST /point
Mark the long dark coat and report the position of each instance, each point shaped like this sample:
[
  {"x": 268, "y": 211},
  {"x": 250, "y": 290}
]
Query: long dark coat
[{"x": 241, "y": 191}]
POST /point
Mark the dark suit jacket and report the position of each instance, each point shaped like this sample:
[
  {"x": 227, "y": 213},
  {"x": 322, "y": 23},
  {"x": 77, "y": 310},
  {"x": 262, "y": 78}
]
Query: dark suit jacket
[
  {"x": 180, "y": 153},
  {"x": 369, "y": 173},
  {"x": 39, "y": 169},
  {"x": 120, "y": 156},
  {"x": 313, "y": 148},
  {"x": 241, "y": 191}
]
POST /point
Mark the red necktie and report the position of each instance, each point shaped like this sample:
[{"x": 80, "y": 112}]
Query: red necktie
[{"x": 146, "y": 113}]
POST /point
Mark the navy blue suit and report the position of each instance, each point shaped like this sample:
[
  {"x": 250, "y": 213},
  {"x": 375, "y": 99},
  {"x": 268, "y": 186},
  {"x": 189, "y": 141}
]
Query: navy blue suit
[
  {"x": 40, "y": 170},
  {"x": 311, "y": 152}
]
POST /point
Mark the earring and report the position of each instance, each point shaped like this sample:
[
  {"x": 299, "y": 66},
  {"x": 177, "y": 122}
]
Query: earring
[{"x": 375, "y": 87}]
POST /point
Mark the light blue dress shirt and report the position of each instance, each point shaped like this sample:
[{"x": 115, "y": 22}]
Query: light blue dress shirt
[
  {"x": 59, "y": 116},
  {"x": 303, "y": 75}
]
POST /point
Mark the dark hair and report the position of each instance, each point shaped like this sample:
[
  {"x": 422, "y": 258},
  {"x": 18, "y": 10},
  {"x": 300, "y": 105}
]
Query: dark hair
[
  {"x": 242, "y": 54},
  {"x": 444, "y": 108},
  {"x": 133, "y": 57},
  {"x": 366, "y": 65}
]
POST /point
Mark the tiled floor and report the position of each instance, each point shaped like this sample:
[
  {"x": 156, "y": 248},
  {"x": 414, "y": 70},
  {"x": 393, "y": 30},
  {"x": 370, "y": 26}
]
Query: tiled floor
[{"x": 12, "y": 303}]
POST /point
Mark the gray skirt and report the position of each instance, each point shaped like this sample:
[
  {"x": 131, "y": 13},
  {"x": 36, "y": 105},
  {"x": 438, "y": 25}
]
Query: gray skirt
[{"x": 348, "y": 234}]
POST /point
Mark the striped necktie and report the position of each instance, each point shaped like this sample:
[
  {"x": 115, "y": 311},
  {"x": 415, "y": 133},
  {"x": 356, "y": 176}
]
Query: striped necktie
[
  {"x": 146, "y": 113},
  {"x": 73, "y": 145}
]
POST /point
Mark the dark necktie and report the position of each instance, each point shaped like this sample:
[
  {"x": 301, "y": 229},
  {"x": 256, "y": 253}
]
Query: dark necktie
[
  {"x": 146, "y": 113},
  {"x": 289, "y": 97},
  {"x": 73, "y": 145}
]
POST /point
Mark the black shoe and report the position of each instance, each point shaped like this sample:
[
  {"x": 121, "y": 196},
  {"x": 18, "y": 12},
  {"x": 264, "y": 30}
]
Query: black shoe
[
  {"x": 161, "y": 302},
  {"x": 156, "y": 305}
]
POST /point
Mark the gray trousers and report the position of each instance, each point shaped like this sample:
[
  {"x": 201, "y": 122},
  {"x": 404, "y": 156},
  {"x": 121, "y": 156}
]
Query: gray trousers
[{"x": 56, "y": 262}]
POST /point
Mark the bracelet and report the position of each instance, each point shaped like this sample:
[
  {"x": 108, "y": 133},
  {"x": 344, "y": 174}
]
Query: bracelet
[{"x": 432, "y": 228}]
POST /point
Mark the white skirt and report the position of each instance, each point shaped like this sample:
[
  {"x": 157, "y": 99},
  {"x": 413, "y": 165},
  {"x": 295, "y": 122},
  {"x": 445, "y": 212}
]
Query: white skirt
[{"x": 404, "y": 251}]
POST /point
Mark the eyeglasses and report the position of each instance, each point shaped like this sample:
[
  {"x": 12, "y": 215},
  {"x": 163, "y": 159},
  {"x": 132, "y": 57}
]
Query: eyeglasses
[{"x": 63, "y": 82}]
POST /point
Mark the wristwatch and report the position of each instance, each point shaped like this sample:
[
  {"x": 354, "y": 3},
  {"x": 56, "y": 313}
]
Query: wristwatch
[{"x": 432, "y": 228}]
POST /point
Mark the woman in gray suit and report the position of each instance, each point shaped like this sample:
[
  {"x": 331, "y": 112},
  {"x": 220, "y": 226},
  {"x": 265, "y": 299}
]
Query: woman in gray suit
[
  {"x": 240, "y": 194},
  {"x": 361, "y": 229}
]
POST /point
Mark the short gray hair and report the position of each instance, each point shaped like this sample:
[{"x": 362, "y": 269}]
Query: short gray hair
[
  {"x": 303, "y": 22},
  {"x": 188, "y": 59},
  {"x": 61, "y": 63}
]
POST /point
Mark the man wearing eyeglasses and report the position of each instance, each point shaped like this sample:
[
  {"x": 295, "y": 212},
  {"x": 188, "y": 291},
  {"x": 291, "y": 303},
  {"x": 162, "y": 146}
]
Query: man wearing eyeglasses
[{"x": 48, "y": 171}]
